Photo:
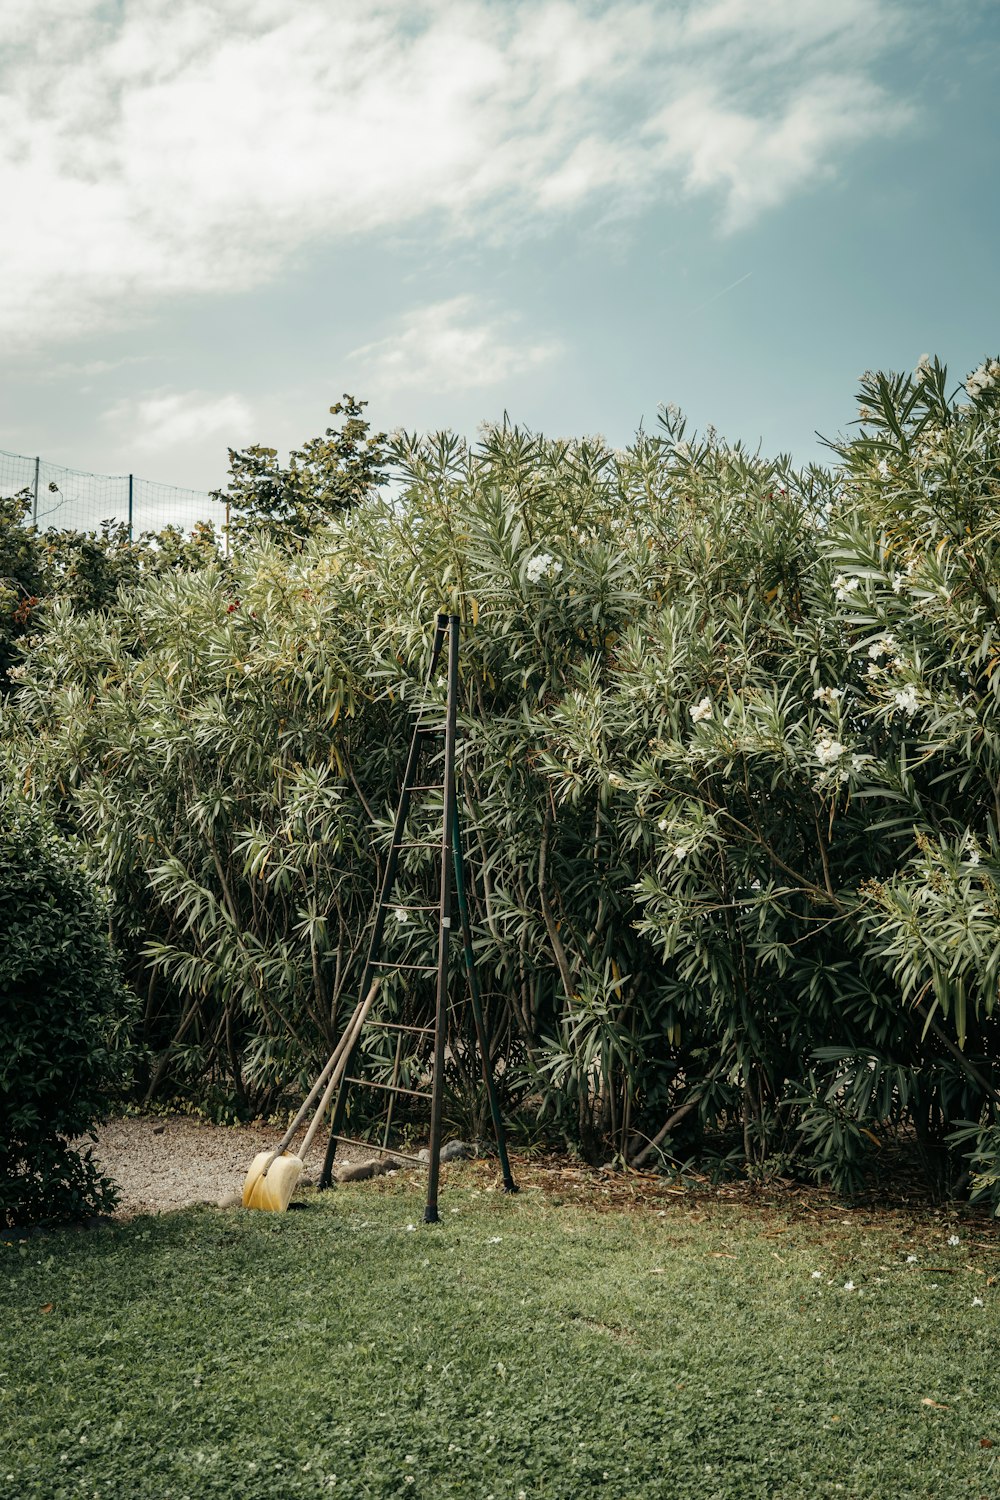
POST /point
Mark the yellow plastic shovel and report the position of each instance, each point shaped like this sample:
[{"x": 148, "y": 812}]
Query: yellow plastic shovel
[{"x": 274, "y": 1175}]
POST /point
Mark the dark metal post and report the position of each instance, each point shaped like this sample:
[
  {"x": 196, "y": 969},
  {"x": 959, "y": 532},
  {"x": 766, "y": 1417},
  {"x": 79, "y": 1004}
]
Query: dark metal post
[
  {"x": 34, "y": 507},
  {"x": 388, "y": 881},
  {"x": 130, "y": 507},
  {"x": 441, "y": 1008}
]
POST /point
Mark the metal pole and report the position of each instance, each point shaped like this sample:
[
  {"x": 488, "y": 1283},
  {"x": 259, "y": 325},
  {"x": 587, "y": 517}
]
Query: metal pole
[
  {"x": 130, "y": 507},
  {"x": 227, "y": 528},
  {"x": 34, "y": 508},
  {"x": 441, "y": 1008}
]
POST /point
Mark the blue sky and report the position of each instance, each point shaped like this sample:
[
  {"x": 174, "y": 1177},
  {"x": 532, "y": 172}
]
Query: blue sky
[{"x": 220, "y": 216}]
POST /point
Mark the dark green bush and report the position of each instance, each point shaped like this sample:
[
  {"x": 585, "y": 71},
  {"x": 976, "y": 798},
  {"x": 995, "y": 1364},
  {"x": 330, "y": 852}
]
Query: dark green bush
[{"x": 62, "y": 1009}]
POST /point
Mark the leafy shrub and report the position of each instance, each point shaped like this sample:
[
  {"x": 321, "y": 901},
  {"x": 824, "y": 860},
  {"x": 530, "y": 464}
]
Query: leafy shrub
[
  {"x": 731, "y": 772},
  {"x": 62, "y": 1004}
]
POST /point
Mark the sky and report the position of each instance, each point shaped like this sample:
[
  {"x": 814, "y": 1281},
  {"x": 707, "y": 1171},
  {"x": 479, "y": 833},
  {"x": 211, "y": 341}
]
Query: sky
[{"x": 220, "y": 216}]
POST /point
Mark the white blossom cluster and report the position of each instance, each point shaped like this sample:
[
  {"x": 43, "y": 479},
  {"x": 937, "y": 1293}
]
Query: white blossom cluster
[
  {"x": 702, "y": 710},
  {"x": 924, "y": 368},
  {"x": 844, "y": 585},
  {"x": 905, "y": 699},
  {"x": 828, "y": 750},
  {"x": 542, "y": 565},
  {"x": 984, "y": 378},
  {"x": 886, "y": 646},
  {"x": 17, "y": 674},
  {"x": 828, "y": 696}
]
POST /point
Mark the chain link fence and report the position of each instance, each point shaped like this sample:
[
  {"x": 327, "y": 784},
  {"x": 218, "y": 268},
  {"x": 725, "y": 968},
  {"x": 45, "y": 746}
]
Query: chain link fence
[{"x": 74, "y": 500}]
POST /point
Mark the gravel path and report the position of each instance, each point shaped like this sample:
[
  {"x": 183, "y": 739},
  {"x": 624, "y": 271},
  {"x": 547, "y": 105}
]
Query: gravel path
[{"x": 166, "y": 1162}]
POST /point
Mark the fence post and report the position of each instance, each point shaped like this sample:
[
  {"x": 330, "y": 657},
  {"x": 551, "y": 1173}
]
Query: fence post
[
  {"x": 34, "y": 508},
  {"x": 130, "y": 507}
]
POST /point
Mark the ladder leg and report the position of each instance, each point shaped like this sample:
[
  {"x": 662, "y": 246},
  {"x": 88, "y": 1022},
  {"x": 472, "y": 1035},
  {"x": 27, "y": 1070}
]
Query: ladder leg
[
  {"x": 431, "y": 1215},
  {"x": 475, "y": 994}
]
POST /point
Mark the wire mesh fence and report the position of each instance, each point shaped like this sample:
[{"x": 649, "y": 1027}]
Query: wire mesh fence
[{"x": 72, "y": 499}]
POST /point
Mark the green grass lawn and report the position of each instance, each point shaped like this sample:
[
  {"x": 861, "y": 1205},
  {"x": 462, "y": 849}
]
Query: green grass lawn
[{"x": 523, "y": 1347}]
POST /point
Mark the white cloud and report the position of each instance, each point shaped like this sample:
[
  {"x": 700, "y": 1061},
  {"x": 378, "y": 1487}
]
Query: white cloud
[
  {"x": 166, "y": 420},
  {"x": 448, "y": 346},
  {"x": 757, "y": 162},
  {"x": 171, "y": 147}
]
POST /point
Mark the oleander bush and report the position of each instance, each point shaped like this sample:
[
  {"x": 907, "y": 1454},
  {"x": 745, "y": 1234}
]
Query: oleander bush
[
  {"x": 63, "y": 1012},
  {"x": 730, "y": 764}
]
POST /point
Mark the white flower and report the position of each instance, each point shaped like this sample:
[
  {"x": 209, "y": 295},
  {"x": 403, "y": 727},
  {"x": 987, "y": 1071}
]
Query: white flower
[
  {"x": 681, "y": 852},
  {"x": 898, "y": 580},
  {"x": 982, "y": 379},
  {"x": 883, "y": 468},
  {"x": 401, "y": 914},
  {"x": 541, "y": 565},
  {"x": 844, "y": 584},
  {"x": 827, "y": 695},
  {"x": 17, "y": 674},
  {"x": 906, "y": 699},
  {"x": 828, "y": 750},
  {"x": 977, "y": 1301},
  {"x": 848, "y": 1286},
  {"x": 817, "y": 1275},
  {"x": 663, "y": 824},
  {"x": 911, "y": 1260},
  {"x": 883, "y": 647},
  {"x": 953, "y": 1239},
  {"x": 924, "y": 368},
  {"x": 702, "y": 710}
]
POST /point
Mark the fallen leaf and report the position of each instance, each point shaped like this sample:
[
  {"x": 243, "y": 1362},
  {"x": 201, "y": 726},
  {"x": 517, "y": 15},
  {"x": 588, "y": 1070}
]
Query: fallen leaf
[
  {"x": 48, "y": 1307},
  {"x": 657, "y": 1271},
  {"x": 986, "y": 1442},
  {"x": 937, "y": 1405},
  {"x": 720, "y": 1255}
]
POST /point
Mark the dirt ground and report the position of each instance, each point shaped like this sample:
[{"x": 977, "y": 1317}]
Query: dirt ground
[{"x": 166, "y": 1162}]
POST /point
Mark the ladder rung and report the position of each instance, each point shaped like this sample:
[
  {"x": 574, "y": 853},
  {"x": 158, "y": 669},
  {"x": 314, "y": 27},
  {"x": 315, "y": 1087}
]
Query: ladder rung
[
  {"x": 420, "y": 844},
  {"x": 350, "y": 1140},
  {"x": 434, "y": 906},
  {"x": 388, "y": 1088},
  {"x": 399, "y": 1026},
  {"x": 413, "y": 968},
  {"x": 433, "y": 786}
]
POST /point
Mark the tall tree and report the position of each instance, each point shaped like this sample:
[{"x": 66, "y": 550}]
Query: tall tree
[{"x": 330, "y": 474}]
